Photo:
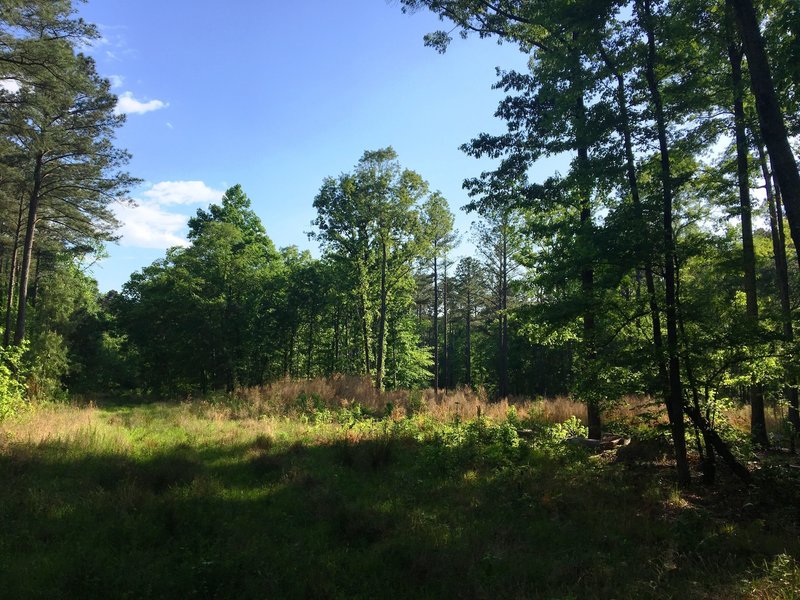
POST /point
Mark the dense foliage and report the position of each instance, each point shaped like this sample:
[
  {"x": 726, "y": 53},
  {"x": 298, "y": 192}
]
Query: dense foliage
[{"x": 59, "y": 174}]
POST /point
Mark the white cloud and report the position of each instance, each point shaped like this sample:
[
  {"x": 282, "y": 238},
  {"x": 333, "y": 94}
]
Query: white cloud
[
  {"x": 151, "y": 224},
  {"x": 117, "y": 81},
  {"x": 182, "y": 192},
  {"x": 169, "y": 125},
  {"x": 147, "y": 225},
  {"x": 127, "y": 104}
]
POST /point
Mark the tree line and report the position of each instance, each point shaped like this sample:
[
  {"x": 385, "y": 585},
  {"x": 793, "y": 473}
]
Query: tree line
[{"x": 385, "y": 300}]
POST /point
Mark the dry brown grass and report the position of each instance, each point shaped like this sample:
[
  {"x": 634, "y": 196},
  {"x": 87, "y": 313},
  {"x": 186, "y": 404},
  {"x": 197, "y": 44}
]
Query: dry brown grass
[
  {"x": 47, "y": 423},
  {"x": 467, "y": 403},
  {"x": 739, "y": 417},
  {"x": 287, "y": 397}
]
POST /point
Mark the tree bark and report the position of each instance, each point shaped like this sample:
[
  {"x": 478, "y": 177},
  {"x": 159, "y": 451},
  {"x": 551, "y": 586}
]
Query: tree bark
[
  {"x": 381, "y": 322},
  {"x": 27, "y": 252},
  {"x": 436, "y": 320},
  {"x": 770, "y": 117},
  {"x": 782, "y": 277},
  {"x": 12, "y": 276},
  {"x": 445, "y": 348},
  {"x": 758, "y": 421},
  {"x": 503, "y": 324}
]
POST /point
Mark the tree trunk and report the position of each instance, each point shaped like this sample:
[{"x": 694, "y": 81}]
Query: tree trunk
[
  {"x": 468, "y": 332},
  {"x": 708, "y": 459},
  {"x": 336, "y": 342},
  {"x": 12, "y": 275},
  {"x": 381, "y": 322},
  {"x": 782, "y": 277},
  {"x": 445, "y": 354},
  {"x": 593, "y": 415},
  {"x": 503, "y": 324},
  {"x": 35, "y": 287},
  {"x": 310, "y": 345},
  {"x": 758, "y": 421},
  {"x": 27, "y": 252},
  {"x": 633, "y": 184},
  {"x": 293, "y": 353},
  {"x": 770, "y": 118},
  {"x": 364, "y": 318},
  {"x": 436, "y": 320},
  {"x": 721, "y": 448},
  {"x": 675, "y": 400}
]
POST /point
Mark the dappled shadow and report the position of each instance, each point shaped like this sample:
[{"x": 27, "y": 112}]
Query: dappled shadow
[{"x": 386, "y": 517}]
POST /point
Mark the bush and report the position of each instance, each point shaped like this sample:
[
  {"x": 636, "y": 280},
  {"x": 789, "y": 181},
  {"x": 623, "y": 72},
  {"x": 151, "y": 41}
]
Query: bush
[{"x": 12, "y": 391}]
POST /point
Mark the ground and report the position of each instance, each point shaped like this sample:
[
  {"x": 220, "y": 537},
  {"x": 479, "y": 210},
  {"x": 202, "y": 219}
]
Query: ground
[{"x": 199, "y": 499}]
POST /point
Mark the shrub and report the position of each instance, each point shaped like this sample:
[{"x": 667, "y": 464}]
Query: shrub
[
  {"x": 12, "y": 391},
  {"x": 559, "y": 432}
]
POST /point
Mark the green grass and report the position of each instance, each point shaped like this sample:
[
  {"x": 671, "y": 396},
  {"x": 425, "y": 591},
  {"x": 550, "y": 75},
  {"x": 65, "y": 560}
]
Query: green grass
[{"x": 162, "y": 501}]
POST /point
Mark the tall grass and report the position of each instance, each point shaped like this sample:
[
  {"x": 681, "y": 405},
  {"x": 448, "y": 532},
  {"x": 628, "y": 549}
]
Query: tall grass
[{"x": 287, "y": 397}]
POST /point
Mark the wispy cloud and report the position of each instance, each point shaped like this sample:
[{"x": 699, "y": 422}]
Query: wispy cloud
[
  {"x": 155, "y": 221},
  {"x": 117, "y": 81},
  {"x": 127, "y": 104}
]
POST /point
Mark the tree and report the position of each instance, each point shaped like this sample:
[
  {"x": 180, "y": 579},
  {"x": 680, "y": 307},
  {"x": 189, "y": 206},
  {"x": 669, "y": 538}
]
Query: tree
[
  {"x": 62, "y": 122},
  {"x": 770, "y": 118},
  {"x": 198, "y": 317},
  {"x": 438, "y": 225},
  {"x": 606, "y": 82},
  {"x": 369, "y": 220},
  {"x": 498, "y": 242},
  {"x": 468, "y": 289}
]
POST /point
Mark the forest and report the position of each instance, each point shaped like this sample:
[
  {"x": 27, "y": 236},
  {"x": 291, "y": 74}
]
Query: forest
[{"x": 600, "y": 401}]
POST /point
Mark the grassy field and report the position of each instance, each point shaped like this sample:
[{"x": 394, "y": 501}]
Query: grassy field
[{"x": 309, "y": 499}]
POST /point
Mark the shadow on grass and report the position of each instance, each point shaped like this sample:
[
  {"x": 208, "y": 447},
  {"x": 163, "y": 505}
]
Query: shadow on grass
[{"x": 378, "y": 518}]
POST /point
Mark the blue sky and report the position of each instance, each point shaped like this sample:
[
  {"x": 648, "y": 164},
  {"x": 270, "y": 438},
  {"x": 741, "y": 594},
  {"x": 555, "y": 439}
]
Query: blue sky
[{"x": 276, "y": 96}]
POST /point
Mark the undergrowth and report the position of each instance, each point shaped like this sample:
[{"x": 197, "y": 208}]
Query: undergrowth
[{"x": 310, "y": 497}]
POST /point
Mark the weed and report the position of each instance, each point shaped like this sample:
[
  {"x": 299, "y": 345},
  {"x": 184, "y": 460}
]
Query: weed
[{"x": 776, "y": 579}]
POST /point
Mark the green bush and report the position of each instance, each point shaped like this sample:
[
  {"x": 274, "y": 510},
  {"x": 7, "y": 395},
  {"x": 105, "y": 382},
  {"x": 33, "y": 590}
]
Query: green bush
[
  {"x": 12, "y": 391},
  {"x": 554, "y": 435}
]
